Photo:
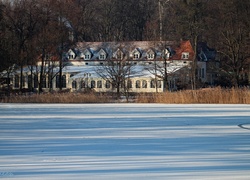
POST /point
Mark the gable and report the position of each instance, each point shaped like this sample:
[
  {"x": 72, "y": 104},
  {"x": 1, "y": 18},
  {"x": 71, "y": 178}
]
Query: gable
[
  {"x": 87, "y": 54},
  {"x": 151, "y": 54},
  {"x": 136, "y": 53},
  {"x": 118, "y": 54},
  {"x": 71, "y": 54},
  {"x": 102, "y": 55},
  {"x": 184, "y": 51}
]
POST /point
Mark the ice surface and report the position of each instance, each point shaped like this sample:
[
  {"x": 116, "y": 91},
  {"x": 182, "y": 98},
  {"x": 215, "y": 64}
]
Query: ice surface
[{"x": 124, "y": 141}]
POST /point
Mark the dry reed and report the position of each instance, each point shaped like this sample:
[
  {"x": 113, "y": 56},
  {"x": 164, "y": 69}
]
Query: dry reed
[
  {"x": 57, "y": 98},
  {"x": 204, "y": 96}
]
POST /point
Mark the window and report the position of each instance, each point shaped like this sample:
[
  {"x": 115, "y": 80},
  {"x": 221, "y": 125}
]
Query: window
[
  {"x": 36, "y": 81},
  {"x": 74, "y": 84},
  {"x": 29, "y": 81},
  {"x": 99, "y": 84},
  {"x": 57, "y": 81},
  {"x": 87, "y": 56},
  {"x": 138, "y": 84},
  {"x": 150, "y": 56},
  {"x": 107, "y": 85},
  {"x": 185, "y": 55},
  {"x": 144, "y": 84},
  {"x": 23, "y": 81},
  {"x": 129, "y": 84},
  {"x": 44, "y": 82},
  {"x": 92, "y": 84},
  {"x": 71, "y": 56},
  {"x": 202, "y": 73},
  {"x": 158, "y": 84},
  {"x": 16, "y": 81},
  {"x": 152, "y": 83},
  {"x": 63, "y": 81},
  {"x": 102, "y": 57},
  {"x": 136, "y": 56},
  {"x": 122, "y": 84}
]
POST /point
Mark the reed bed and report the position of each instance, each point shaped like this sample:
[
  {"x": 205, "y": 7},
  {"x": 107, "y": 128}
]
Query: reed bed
[
  {"x": 204, "y": 96},
  {"x": 58, "y": 98}
]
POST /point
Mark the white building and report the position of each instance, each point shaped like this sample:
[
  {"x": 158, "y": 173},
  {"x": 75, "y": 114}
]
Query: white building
[{"x": 148, "y": 61}]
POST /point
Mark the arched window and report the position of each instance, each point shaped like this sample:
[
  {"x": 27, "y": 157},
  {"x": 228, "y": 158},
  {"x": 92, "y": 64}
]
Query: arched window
[
  {"x": 159, "y": 84},
  {"x": 35, "y": 81},
  {"x": 74, "y": 84},
  {"x": 63, "y": 81},
  {"x": 57, "y": 81},
  {"x": 138, "y": 84},
  {"x": 129, "y": 84},
  {"x": 99, "y": 84},
  {"x": 92, "y": 84},
  {"x": 44, "y": 82},
  {"x": 152, "y": 83},
  {"x": 144, "y": 84},
  {"x": 23, "y": 81},
  {"x": 107, "y": 85},
  {"x": 16, "y": 85},
  {"x": 30, "y": 82}
]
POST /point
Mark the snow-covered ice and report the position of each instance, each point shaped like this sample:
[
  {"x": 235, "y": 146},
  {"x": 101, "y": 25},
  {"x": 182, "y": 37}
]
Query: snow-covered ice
[{"x": 124, "y": 141}]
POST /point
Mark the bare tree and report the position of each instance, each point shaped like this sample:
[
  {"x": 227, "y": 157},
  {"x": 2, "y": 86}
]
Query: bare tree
[
  {"x": 117, "y": 72},
  {"x": 23, "y": 19},
  {"x": 232, "y": 38},
  {"x": 190, "y": 24}
]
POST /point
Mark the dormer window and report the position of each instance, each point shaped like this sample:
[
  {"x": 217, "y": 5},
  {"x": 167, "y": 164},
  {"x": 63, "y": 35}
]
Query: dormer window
[
  {"x": 185, "y": 55},
  {"x": 102, "y": 54},
  {"x": 71, "y": 54},
  {"x": 150, "y": 54},
  {"x": 118, "y": 54},
  {"x": 102, "y": 57},
  {"x": 136, "y": 54},
  {"x": 87, "y": 54}
]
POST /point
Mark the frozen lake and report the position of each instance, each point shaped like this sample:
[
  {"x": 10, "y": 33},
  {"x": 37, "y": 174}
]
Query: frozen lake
[{"x": 124, "y": 141}]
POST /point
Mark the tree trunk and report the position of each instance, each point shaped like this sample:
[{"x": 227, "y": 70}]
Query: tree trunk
[
  {"x": 40, "y": 90},
  {"x": 194, "y": 65}
]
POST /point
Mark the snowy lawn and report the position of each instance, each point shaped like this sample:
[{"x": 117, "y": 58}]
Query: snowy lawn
[{"x": 124, "y": 141}]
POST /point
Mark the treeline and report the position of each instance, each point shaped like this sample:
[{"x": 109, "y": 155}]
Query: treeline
[{"x": 31, "y": 29}]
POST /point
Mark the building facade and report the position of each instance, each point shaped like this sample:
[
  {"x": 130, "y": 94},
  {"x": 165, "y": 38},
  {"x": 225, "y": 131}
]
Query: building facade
[{"x": 151, "y": 65}]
